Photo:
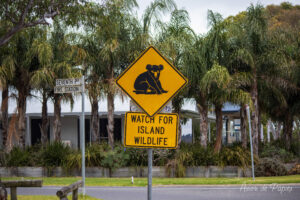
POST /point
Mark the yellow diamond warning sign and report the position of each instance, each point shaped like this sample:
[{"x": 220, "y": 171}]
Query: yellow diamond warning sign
[
  {"x": 151, "y": 81},
  {"x": 143, "y": 131}
]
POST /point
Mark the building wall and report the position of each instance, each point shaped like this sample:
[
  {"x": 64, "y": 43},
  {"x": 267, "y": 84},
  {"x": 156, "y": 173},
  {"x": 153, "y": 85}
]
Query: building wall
[{"x": 69, "y": 130}]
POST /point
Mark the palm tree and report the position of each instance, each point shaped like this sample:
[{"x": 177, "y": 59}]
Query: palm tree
[
  {"x": 42, "y": 82},
  {"x": 25, "y": 62},
  {"x": 283, "y": 81},
  {"x": 255, "y": 55},
  {"x": 222, "y": 88},
  {"x": 199, "y": 61},
  {"x": 120, "y": 38},
  {"x": 173, "y": 41},
  {"x": 7, "y": 70},
  {"x": 66, "y": 58},
  {"x": 115, "y": 35},
  {"x": 93, "y": 67},
  {"x": 196, "y": 67}
]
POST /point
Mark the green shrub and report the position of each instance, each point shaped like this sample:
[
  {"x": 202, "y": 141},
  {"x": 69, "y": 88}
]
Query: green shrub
[
  {"x": 55, "y": 154},
  {"x": 235, "y": 156},
  {"x": 115, "y": 158},
  {"x": 295, "y": 148},
  {"x": 295, "y": 170},
  {"x": 18, "y": 157},
  {"x": 137, "y": 157},
  {"x": 73, "y": 161},
  {"x": 177, "y": 165},
  {"x": 162, "y": 156},
  {"x": 2, "y": 159},
  {"x": 273, "y": 151},
  {"x": 200, "y": 155},
  {"x": 270, "y": 167},
  {"x": 94, "y": 154}
]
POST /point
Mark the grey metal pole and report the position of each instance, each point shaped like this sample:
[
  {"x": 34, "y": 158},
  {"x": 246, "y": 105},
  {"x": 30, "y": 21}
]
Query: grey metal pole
[
  {"x": 251, "y": 148},
  {"x": 209, "y": 132},
  {"x": 82, "y": 130},
  {"x": 149, "y": 174}
]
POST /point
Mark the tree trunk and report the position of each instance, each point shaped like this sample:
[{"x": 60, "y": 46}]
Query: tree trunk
[
  {"x": 288, "y": 130},
  {"x": 243, "y": 115},
  {"x": 254, "y": 115},
  {"x": 45, "y": 121},
  {"x": 278, "y": 130},
  {"x": 110, "y": 118},
  {"x": 219, "y": 124},
  {"x": 21, "y": 124},
  {"x": 268, "y": 131},
  {"x": 176, "y": 103},
  {"x": 203, "y": 111},
  {"x": 95, "y": 121},
  {"x": 57, "y": 118},
  {"x": 4, "y": 115}
]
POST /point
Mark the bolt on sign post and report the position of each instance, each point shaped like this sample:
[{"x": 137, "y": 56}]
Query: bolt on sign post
[
  {"x": 151, "y": 81},
  {"x": 74, "y": 85}
]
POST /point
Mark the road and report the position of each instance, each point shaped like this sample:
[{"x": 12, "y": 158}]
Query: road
[{"x": 247, "y": 192}]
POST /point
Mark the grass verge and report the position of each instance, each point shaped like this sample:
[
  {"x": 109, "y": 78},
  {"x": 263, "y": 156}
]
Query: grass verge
[
  {"x": 38, "y": 197},
  {"x": 58, "y": 181}
]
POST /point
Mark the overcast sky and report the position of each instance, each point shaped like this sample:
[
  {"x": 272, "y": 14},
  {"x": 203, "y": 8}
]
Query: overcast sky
[{"x": 197, "y": 9}]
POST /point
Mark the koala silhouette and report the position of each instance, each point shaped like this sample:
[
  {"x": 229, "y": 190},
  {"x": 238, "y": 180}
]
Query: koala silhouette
[{"x": 148, "y": 82}]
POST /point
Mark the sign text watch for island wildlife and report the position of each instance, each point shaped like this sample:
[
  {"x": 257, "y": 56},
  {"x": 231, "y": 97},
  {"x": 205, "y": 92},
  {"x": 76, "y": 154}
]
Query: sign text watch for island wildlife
[
  {"x": 151, "y": 81},
  {"x": 143, "y": 131}
]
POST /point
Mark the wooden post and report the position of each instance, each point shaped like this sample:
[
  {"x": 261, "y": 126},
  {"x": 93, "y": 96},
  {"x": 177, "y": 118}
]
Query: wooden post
[
  {"x": 75, "y": 194},
  {"x": 13, "y": 193},
  {"x": 25, "y": 183},
  {"x": 3, "y": 192},
  {"x": 63, "y": 192}
]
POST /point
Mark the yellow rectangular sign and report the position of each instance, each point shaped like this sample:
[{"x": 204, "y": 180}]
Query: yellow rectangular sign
[{"x": 143, "y": 131}]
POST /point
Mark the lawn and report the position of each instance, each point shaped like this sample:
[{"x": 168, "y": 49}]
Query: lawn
[
  {"x": 37, "y": 197},
  {"x": 55, "y": 181}
]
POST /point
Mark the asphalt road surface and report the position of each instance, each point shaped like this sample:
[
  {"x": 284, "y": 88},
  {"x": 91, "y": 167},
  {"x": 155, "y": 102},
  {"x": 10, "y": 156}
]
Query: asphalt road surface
[{"x": 248, "y": 192}]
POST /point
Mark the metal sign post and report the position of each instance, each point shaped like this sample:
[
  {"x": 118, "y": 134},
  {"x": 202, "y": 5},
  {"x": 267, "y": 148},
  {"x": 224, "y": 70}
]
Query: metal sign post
[
  {"x": 149, "y": 195},
  {"x": 82, "y": 138},
  {"x": 75, "y": 85},
  {"x": 155, "y": 70},
  {"x": 251, "y": 147}
]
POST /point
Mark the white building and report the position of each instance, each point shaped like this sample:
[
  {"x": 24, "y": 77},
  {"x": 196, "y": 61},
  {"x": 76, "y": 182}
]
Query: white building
[{"x": 70, "y": 132}]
